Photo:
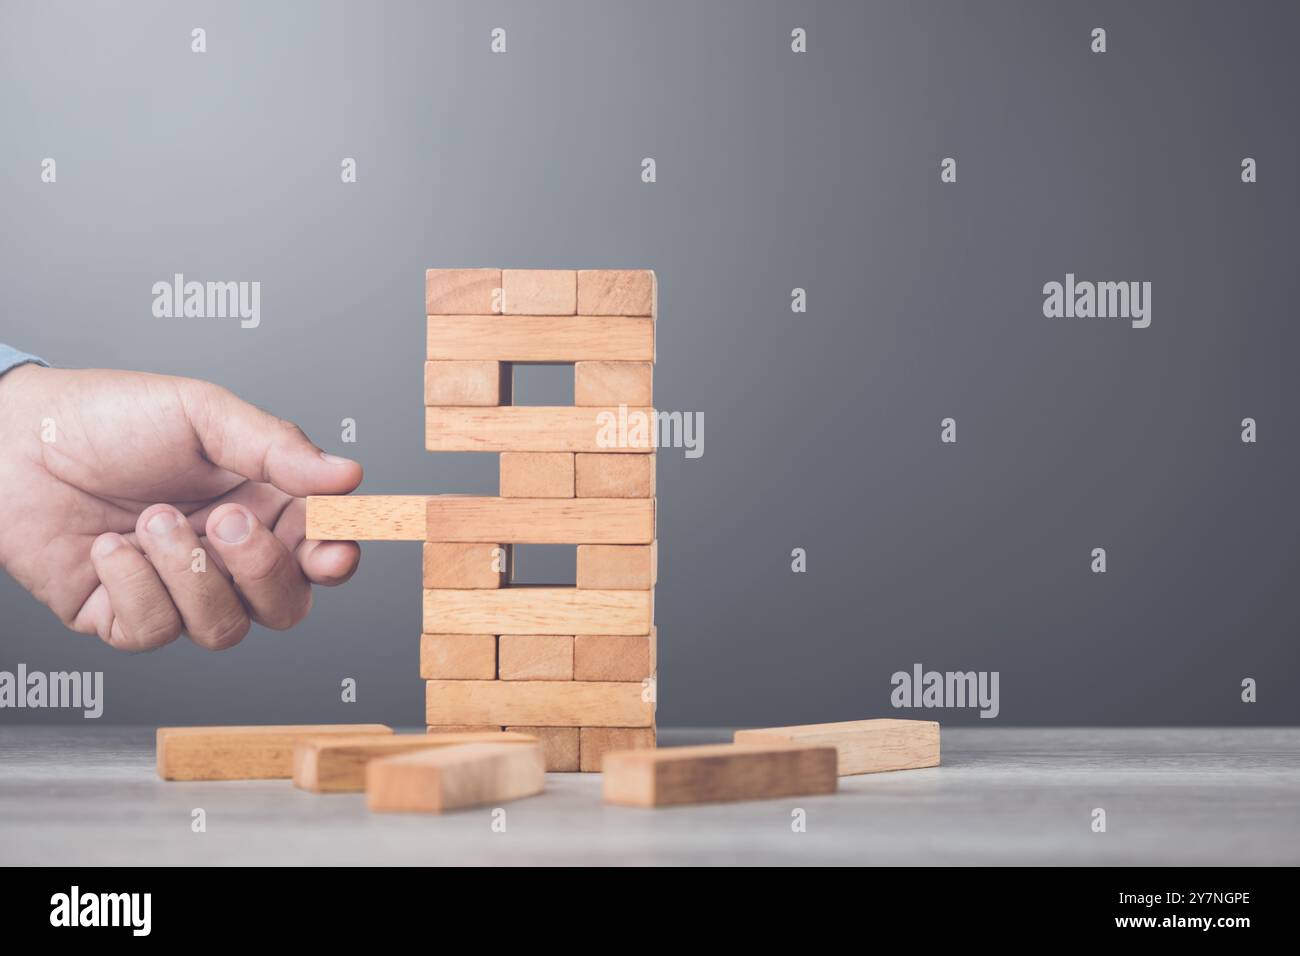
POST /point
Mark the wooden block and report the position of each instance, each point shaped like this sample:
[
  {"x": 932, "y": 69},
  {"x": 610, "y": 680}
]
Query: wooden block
[
  {"x": 464, "y": 565},
  {"x": 535, "y": 656},
  {"x": 466, "y": 383},
  {"x": 458, "y": 656},
  {"x": 366, "y": 517},
  {"x": 550, "y": 428},
  {"x": 338, "y": 764},
  {"x": 715, "y": 773},
  {"x": 541, "y": 292},
  {"x": 612, "y": 383},
  {"x": 559, "y": 744},
  {"x": 449, "y": 778},
  {"x": 538, "y": 703},
  {"x": 541, "y": 338},
  {"x": 463, "y": 729},
  {"x": 529, "y": 609},
  {"x": 595, "y": 742},
  {"x": 532, "y": 474},
  {"x": 616, "y": 657},
  {"x": 615, "y": 567},
  {"x": 457, "y": 291},
  {"x": 542, "y": 520},
  {"x": 616, "y": 292},
  {"x": 240, "y": 753},
  {"x": 614, "y": 476},
  {"x": 864, "y": 746}
]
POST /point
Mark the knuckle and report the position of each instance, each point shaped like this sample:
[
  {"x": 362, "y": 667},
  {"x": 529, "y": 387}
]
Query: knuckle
[{"x": 224, "y": 632}]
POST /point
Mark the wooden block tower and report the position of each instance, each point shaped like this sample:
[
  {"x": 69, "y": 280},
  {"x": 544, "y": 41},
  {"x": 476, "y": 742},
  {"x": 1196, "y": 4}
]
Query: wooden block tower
[{"x": 573, "y": 666}]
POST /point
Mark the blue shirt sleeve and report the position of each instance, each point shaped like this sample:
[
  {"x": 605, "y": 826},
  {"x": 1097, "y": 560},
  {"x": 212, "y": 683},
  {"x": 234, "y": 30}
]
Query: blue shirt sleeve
[{"x": 12, "y": 358}]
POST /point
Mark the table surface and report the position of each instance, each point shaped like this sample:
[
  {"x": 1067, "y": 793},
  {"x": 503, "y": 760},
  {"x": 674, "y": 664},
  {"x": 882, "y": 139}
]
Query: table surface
[{"x": 76, "y": 796}]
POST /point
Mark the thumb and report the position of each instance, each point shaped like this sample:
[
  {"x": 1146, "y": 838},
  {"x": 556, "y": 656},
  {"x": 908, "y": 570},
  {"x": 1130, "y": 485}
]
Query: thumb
[{"x": 242, "y": 438}]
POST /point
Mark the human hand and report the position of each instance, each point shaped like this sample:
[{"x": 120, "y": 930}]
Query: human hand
[{"x": 110, "y": 480}]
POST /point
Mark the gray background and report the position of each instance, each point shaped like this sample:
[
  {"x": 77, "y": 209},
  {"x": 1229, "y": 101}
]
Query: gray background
[{"x": 776, "y": 170}]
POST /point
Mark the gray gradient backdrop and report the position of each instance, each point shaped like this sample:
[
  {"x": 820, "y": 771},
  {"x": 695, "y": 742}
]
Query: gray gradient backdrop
[{"x": 776, "y": 170}]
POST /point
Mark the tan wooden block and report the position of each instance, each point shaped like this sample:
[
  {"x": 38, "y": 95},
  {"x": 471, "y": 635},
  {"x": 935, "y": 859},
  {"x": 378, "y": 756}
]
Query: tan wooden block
[
  {"x": 338, "y": 764},
  {"x": 463, "y": 729},
  {"x": 366, "y": 517},
  {"x": 613, "y": 383},
  {"x": 458, "y": 656},
  {"x": 528, "y": 474},
  {"x": 864, "y": 746},
  {"x": 714, "y": 773},
  {"x": 614, "y": 567},
  {"x": 464, "y": 565},
  {"x": 616, "y": 657},
  {"x": 535, "y": 656},
  {"x": 559, "y": 744},
  {"x": 530, "y": 609},
  {"x": 540, "y": 291},
  {"x": 547, "y": 428},
  {"x": 616, "y": 292},
  {"x": 457, "y": 291},
  {"x": 538, "y": 703},
  {"x": 614, "y": 476},
  {"x": 240, "y": 753},
  {"x": 595, "y": 742},
  {"x": 542, "y": 520},
  {"x": 541, "y": 338},
  {"x": 466, "y": 383},
  {"x": 450, "y": 778}
]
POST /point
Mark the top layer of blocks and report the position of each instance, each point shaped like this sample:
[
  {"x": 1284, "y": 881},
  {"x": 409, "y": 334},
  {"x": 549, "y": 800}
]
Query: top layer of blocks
[{"x": 617, "y": 292}]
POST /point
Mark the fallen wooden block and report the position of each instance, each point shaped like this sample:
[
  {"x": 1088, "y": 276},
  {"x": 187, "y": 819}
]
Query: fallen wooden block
[
  {"x": 549, "y": 428},
  {"x": 466, "y": 383},
  {"x": 366, "y": 517},
  {"x": 535, "y": 657},
  {"x": 595, "y": 742},
  {"x": 457, "y": 291},
  {"x": 463, "y": 728},
  {"x": 613, "y": 383},
  {"x": 616, "y": 292},
  {"x": 338, "y": 764},
  {"x": 618, "y": 567},
  {"x": 458, "y": 656},
  {"x": 529, "y": 609},
  {"x": 538, "y": 703},
  {"x": 541, "y": 338},
  {"x": 540, "y": 291},
  {"x": 241, "y": 753},
  {"x": 559, "y": 746},
  {"x": 864, "y": 746},
  {"x": 613, "y": 657},
  {"x": 464, "y": 565},
  {"x": 541, "y": 520},
  {"x": 450, "y": 778},
  {"x": 527, "y": 474},
  {"x": 614, "y": 476},
  {"x": 715, "y": 773}
]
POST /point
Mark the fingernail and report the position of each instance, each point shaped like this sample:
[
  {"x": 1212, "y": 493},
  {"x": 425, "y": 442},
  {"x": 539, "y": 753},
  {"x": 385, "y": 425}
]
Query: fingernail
[
  {"x": 334, "y": 459},
  {"x": 234, "y": 527},
  {"x": 164, "y": 522},
  {"x": 107, "y": 544}
]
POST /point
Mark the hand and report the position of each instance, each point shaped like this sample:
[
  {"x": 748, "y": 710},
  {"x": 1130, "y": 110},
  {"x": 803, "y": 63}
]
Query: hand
[{"x": 110, "y": 480}]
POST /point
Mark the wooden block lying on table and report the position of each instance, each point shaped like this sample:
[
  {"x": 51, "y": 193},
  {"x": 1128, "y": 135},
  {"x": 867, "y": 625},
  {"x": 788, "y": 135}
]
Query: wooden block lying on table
[
  {"x": 458, "y": 656},
  {"x": 595, "y": 742},
  {"x": 541, "y": 520},
  {"x": 538, "y": 703},
  {"x": 240, "y": 753},
  {"x": 530, "y": 474},
  {"x": 338, "y": 764},
  {"x": 616, "y": 657},
  {"x": 464, "y": 565},
  {"x": 529, "y": 609},
  {"x": 466, "y": 383},
  {"x": 457, "y": 291},
  {"x": 540, "y": 292},
  {"x": 864, "y": 746},
  {"x": 535, "y": 657},
  {"x": 715, "y": 773},
  {"x": 463, "y": 729},
  {"x": 616, "y": 567},
  {"x": 616, "y": 292},
  {"x": 551, "y": 428},
  {"x": 613, "y": 383},
  {"x": 614, "y": 476},
  {"x": 366, "y": 517},
  {"x": 449, "y": 778},
  {"x": 559, "y": 745},
  {"x": 541, "y": 338}
]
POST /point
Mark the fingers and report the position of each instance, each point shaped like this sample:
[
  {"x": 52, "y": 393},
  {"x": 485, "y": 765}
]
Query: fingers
[
  {"x": 266, "y": 574},
  {"x": 323, "y": 562},
  {"x": 255, "y": 444},
  {"x": 210, "y": 611},
  {"x": 142, "y": 614}
]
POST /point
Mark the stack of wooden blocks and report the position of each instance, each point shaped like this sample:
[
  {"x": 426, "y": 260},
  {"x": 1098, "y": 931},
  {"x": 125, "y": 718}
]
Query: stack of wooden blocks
[{"x": 573, "y": 666}]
